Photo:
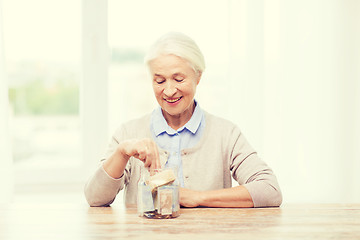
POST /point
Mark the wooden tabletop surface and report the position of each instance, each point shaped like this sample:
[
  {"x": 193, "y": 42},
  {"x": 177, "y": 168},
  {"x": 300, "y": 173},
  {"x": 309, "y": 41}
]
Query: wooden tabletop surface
[{"x": 71, "y": 221}]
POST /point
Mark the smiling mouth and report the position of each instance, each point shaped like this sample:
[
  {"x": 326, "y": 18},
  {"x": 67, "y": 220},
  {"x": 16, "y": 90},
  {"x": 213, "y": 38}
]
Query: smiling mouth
[{"x": 173, "y": 100}]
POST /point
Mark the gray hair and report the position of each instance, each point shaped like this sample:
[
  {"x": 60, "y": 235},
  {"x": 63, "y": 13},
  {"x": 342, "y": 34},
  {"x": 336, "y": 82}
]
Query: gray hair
[{"x": 180, "y": 45}]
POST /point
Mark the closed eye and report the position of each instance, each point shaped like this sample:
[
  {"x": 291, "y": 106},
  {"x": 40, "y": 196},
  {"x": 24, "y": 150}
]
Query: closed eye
[
  {"x": 179, "y": 78},
  {"x": 159, "y": 80}
]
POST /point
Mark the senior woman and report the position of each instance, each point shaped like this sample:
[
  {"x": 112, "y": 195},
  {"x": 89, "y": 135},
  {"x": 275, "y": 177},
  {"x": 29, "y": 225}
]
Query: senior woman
[{"x": 207, "y": 150}]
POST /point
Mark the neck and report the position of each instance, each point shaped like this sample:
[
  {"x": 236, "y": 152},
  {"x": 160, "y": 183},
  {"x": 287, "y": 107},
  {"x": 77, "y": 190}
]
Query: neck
[{"x": 179, "y": 120}]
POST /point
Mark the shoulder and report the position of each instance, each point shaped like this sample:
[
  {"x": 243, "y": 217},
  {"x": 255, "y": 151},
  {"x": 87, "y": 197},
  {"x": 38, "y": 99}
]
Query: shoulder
[
  {"x": 220, "y": 124},
  {"x": 138, "y": 122},
  {"x": 226, "y": 134},
  {"x": 221, "y": 131}
]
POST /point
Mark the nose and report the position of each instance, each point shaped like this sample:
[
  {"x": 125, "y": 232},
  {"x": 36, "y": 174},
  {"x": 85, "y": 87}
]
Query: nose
[{"x": 170, "y": 89}]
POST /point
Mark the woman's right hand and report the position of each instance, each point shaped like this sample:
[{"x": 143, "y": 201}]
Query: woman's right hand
[{"x": 143, "y": 149}]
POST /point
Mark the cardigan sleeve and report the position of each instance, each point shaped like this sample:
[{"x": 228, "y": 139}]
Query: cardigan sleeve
[
  {"x": 253, "y": 173},
  {"x": 101, "y": 189}
]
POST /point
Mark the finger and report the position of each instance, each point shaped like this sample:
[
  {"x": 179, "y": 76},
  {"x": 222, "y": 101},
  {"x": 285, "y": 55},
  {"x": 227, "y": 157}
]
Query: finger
[
  {"x": 146, "y": 160},
  {"x": 153, "y": 156},
  {"x": 128, "y": 148},
  {"x": 146, "y": 150},
  {"x": 142, "y": 155},
  {"x": 156, "y": 155}
]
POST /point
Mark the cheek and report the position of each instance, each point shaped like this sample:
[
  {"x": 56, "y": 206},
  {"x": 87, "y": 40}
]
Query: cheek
[
  {"x": 191, "y": 89},
  {"x": 157, "y": 90}
]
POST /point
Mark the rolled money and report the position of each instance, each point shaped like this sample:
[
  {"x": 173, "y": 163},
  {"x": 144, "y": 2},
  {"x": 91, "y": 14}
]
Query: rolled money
[
  {"x": 165, "y": 200},
  {"x": 160, "y": 179}
]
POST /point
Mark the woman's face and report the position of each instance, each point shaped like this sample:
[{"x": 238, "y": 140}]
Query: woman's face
[{"x": 174, "y": 84}]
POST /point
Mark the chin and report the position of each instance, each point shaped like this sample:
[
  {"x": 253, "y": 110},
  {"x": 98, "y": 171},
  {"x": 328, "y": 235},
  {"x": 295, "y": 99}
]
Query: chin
[{"x": 172, "y": 113}]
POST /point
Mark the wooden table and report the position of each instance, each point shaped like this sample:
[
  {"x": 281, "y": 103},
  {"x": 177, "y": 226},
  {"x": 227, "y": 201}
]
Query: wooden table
[{"x": 71, "y": 221}]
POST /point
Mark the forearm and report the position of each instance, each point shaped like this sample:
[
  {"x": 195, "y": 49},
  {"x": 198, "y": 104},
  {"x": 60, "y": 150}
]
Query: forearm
[{"x": 229, "y": 197}]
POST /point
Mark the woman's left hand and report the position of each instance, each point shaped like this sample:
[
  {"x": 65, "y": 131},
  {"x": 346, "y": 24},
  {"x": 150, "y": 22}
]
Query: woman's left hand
[{"x": 189, "y": 198}]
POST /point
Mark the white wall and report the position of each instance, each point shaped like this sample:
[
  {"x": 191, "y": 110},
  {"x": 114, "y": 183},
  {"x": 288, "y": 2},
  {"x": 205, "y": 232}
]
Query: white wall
[
  {"x": 295, "y": 85},
  {"x": 6, "y": 177}
]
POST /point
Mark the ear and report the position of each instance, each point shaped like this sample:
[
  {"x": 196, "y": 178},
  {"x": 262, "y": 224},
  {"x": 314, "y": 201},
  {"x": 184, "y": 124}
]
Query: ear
[{"x": 198, "y": 77}]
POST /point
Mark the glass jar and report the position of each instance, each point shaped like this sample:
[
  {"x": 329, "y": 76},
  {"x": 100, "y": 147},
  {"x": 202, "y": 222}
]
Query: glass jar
[{"x": 158, "y": 193}]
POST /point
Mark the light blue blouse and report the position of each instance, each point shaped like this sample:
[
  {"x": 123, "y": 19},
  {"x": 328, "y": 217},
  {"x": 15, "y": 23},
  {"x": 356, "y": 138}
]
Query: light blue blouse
[{"x": 174, "y": 141}]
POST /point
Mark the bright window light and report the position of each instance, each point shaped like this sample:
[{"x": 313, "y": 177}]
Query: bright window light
[{"x": 42, "y": 41}]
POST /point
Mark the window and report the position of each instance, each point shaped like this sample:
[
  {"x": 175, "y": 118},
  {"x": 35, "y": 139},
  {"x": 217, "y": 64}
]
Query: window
[{"x": 42, "y": 50}]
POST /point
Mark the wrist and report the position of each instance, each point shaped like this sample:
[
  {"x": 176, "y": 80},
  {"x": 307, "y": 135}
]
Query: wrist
[
  {"x": 115, "y": 164},
  {"x": 201, "y": 198},
  {"x": 121, "y": 153}
]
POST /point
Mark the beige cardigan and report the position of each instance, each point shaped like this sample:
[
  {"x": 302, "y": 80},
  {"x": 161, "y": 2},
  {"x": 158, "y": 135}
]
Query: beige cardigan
[{"x": 222, "y": 152}]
